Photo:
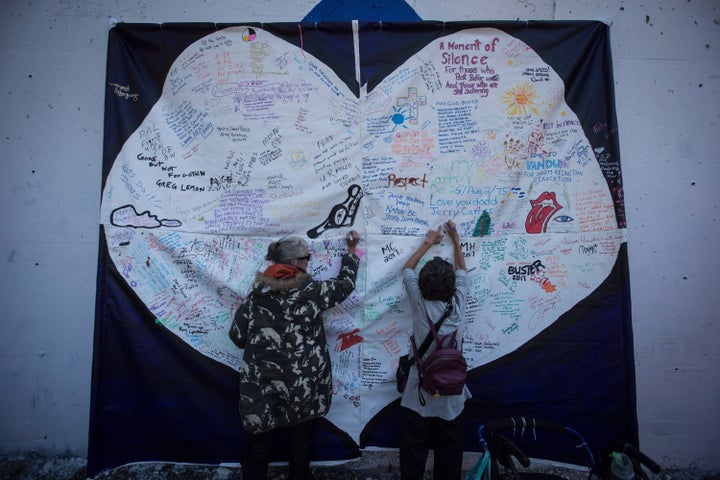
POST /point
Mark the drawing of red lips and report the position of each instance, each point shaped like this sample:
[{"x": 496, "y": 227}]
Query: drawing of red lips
[{"x": 543, "y": 207}]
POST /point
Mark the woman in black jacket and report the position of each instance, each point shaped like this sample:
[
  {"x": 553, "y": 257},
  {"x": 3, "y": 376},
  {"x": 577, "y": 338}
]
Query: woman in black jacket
[{"x": 285, "y": 375}]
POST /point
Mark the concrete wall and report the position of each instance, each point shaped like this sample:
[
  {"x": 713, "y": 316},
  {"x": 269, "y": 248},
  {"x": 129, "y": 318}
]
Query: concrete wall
[{"x": 52, "y": 74}]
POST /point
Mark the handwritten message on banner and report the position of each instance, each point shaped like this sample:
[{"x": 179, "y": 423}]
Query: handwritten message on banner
[{"x": 254, "y": 138}]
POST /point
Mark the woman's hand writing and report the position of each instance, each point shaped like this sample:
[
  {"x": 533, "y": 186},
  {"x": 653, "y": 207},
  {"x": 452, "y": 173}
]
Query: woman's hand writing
[{"x": 352, "y": 239}]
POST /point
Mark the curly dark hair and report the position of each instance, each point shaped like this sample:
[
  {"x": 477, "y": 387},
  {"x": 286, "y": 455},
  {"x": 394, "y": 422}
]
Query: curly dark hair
[{"x": 437, "y": 280}]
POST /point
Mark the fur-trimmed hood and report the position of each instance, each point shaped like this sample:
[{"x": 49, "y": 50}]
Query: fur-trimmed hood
[{"x": 281, "y": 284}]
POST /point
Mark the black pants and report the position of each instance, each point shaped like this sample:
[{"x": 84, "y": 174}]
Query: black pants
[
  {"x": 420, "y": 434},
  {"x": 257, "y": 455}
]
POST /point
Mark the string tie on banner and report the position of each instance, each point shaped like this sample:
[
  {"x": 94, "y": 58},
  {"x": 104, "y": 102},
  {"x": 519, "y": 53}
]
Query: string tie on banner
[{"x": 302, "y": 44}]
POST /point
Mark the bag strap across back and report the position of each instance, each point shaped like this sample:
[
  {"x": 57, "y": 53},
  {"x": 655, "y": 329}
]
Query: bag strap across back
[{"x": 432, "y": 333}]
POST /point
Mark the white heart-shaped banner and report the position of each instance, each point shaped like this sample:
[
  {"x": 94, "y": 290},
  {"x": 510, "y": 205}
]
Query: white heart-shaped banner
[{"x": 254, "y": 138}]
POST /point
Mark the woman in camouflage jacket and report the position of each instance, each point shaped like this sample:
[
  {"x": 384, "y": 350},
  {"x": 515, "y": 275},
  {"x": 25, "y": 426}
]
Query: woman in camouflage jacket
[{"x": 285, "y": 375}]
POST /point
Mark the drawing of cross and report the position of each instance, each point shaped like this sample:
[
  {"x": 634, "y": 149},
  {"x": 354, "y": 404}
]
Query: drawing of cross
[{"x": 412, "y": 101}]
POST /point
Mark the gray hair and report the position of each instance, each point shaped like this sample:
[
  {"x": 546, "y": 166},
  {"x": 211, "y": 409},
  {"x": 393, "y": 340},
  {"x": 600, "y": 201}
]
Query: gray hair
[{"x": 287, "y": 249}]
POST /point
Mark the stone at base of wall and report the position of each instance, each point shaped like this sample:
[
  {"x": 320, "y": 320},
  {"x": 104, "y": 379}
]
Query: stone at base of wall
[{"x": 373, "y": 465}]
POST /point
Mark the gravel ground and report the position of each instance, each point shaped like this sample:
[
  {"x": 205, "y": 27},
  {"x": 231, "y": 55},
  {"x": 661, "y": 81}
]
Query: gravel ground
[{"x": 383, "y": 467}]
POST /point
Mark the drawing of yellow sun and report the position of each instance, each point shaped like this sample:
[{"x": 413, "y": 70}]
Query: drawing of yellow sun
[{"x": 520, "y": 99}]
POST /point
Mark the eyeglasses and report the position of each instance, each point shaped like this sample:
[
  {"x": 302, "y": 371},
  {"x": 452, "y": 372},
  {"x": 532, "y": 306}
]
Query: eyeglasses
[{"x": 306, "y": 257}]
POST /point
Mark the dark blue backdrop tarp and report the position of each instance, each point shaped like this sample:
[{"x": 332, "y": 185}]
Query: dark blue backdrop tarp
[{"x": 154, "y": 398}]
